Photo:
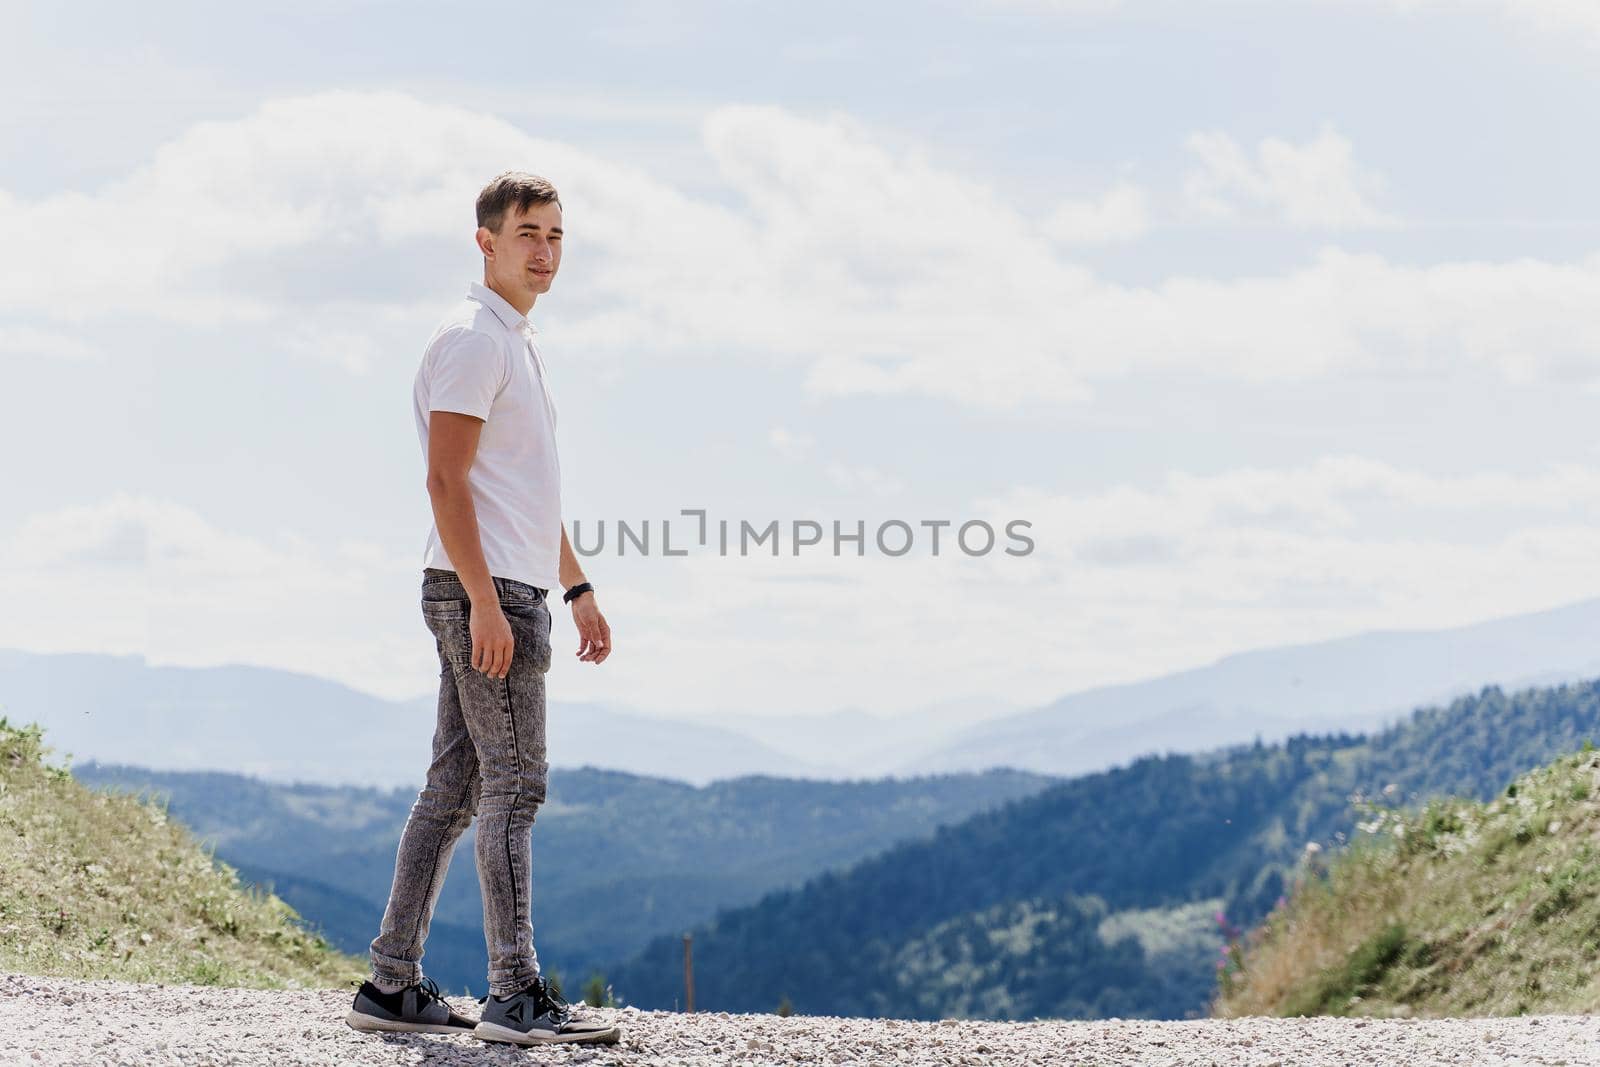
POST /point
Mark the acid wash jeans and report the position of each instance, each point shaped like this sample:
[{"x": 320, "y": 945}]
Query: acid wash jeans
[{"x": 489, "y": 760}]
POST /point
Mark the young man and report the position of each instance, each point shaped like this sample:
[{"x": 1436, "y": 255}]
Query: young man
[{"x": 487, "y": 424}]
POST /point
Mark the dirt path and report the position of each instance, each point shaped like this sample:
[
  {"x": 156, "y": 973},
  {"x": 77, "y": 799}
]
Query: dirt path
[{"x": 64, "y": 1021}]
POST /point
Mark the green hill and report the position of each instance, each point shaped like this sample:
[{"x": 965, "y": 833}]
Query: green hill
[
  {"x": 1106, "y": 895},
  {"x": 1158, "y": 836},
  {"x": 1457, "y": 907},
  {"x": 1150, "y": 849},
  {"x": 622, "y": 857},
  {"x": 94, "y": 885}
]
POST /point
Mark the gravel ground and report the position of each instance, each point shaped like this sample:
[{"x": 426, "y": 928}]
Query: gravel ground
[{"x": 66, "y": 1021}]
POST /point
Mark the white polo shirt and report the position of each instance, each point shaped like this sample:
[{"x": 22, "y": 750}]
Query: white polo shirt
[{"x": 482, "y": 361}]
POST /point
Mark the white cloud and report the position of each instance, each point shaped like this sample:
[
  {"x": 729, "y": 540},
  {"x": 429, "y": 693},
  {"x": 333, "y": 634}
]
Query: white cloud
[
  {"x": 866, "y": 480},
  {"x": 52, "y": 344},
  {"x": 1119, "y": 214},
  {"x": 165, "y": 582},
  {"x": 1049, "y": 7},
  {"x": 1544, "y": 15},
  {"x": 863, "y": 479},
  {"x": 1556, "y": 14},
  {"x": 1198, "y": 566},
  {"x": 337, "y": 221},
  {"x": 1312, "y": 185},
  {"x": 788, "y": 444},
  {"x": 1125, "y": 581}
]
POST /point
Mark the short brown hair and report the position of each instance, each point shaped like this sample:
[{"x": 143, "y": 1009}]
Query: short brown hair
[{"x": 513, "y": 188}]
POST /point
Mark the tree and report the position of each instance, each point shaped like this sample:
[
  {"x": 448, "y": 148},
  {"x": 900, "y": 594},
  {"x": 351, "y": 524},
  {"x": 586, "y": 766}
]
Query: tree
[{"x": 597, "y": 994}]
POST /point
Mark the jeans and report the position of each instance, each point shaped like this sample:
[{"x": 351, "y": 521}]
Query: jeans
[{"x": 489, "y": 760}]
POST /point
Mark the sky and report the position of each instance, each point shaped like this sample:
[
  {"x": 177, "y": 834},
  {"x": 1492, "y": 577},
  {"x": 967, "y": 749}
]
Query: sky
[{"x": 1272, "y": 322}]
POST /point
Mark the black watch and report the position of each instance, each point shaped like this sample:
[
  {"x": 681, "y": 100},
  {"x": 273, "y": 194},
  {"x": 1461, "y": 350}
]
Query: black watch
[{"x": 576, "y": 591}]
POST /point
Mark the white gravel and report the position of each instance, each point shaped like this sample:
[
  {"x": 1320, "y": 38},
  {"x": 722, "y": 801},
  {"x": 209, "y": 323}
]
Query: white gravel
[{"x": 65, "y": 1021}]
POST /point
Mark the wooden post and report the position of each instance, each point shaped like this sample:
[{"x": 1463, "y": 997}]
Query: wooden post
[{"x": 688, "y": 971}]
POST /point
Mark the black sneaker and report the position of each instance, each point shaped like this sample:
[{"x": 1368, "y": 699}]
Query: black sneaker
[
  {"x": 416, "y": 1009},
  {"x": 538, "y": 1015}
]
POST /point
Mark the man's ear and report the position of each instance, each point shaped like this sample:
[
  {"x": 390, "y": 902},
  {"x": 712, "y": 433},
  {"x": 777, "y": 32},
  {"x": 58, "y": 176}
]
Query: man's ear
[{"x": 485, "y": 238}]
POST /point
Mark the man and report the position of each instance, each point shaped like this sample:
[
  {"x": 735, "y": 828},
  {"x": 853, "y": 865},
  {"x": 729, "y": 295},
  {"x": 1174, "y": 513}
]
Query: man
[{"x": 487, "y": 423}]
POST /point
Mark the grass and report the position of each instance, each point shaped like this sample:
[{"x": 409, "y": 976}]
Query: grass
[
  {"x": 103, "y": 885},
  {"x": 1457, "y": 908}
]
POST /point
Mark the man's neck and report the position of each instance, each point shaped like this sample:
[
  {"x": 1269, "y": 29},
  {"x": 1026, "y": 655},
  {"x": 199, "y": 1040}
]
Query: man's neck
[{"x": 515, "y": 300}]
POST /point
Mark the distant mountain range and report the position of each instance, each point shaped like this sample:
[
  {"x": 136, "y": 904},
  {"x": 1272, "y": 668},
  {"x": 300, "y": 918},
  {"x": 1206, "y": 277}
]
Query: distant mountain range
[
  {"x": 619, "y": 858},
  {"x": 256, "y": 720},
  {"x": 288, "y": 727},
  {"x": 1095, "y": 898},
  {"x": 1354, "y": 683}
]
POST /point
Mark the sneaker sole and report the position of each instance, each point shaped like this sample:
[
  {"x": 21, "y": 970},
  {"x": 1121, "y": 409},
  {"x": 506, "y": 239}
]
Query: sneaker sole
[
  {"x": 496, "y": 1032},
  {"x": 372, "y": 1024}
]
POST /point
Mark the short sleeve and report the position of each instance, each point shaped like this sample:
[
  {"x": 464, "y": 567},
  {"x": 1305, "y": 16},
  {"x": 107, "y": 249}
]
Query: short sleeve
[{"x": 467, "y": 368}]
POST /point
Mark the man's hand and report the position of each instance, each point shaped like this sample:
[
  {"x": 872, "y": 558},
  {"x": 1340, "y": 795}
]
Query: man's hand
[
  {"x": 491, "y": 641},
  {"x": 594, "y": 636}
]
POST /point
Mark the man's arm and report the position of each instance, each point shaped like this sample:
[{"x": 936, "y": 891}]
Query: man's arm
[
  {"x": 594, "y": 634},
  {"x": 452, "y": 445},
  {"x": 571, "y": 573}
]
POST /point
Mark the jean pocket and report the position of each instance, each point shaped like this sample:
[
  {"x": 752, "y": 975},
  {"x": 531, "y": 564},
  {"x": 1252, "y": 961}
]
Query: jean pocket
[
  {"x": 520, "y": 599},
  {"x": 450, "y": 623},
  {"x": 530, "y": 627},
  {"x": 454, "y": 608},
  {"x": 443, "y": 589}
]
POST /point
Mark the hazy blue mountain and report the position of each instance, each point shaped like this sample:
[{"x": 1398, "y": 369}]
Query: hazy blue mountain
[
  {"x": 619, "y": 858},
  {"x": 289, "y": 727},
  {"x": 253, "y": 719},
  {"x": 1354, "y": 683},
  {"x": 859, "y": 742}
]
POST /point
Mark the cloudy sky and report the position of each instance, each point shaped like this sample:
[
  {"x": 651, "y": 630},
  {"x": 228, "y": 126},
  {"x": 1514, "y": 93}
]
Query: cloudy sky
[{"x": 1276, "y": 321}]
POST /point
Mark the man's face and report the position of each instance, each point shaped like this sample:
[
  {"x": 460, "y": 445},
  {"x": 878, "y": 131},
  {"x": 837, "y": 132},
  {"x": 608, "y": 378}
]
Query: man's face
[{"x": 525, "y": 254}]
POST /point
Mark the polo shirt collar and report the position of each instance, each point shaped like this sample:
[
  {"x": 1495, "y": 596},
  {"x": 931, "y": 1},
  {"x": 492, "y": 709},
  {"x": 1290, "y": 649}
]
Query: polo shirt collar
[{"x": 501, "y": 307}]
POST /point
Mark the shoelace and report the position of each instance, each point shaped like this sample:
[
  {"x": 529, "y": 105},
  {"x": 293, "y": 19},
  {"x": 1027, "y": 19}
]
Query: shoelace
[
  {"x": 430, "y": 988},
  {"x": 551, "y": 997},
  {"x": 546, "y": 994}
]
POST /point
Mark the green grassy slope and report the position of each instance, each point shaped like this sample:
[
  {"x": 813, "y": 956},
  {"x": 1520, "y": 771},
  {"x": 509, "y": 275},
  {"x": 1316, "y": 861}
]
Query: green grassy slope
[
  {"x": 1458, "y": 907},
  {"x": 94, "y": 885}
]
